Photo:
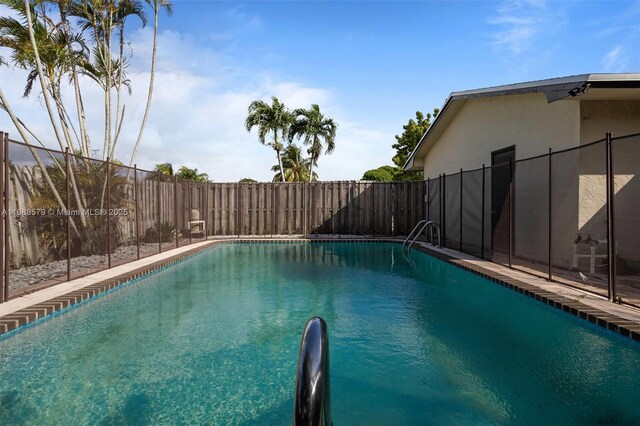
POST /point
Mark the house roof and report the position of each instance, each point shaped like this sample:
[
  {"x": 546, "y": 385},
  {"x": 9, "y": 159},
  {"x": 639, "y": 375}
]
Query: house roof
[{"x": 587, "y": 86}]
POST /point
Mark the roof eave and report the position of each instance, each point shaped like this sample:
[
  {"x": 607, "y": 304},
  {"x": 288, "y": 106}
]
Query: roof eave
[{"x": 554, "y": 89}]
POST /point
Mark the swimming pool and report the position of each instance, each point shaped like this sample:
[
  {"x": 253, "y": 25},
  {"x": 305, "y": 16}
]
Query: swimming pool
[{"x": 214, "y": 339}]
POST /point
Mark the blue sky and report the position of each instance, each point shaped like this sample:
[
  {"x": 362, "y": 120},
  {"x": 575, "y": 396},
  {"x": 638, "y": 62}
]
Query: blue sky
[{"x": 370, "y": 65}]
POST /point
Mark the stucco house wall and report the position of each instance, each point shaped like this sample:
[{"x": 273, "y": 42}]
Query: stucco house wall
[
  {"x": 533, "y": 125},
  {"x": 620, "y": 118},
  {"x": 487, "y": 124}
]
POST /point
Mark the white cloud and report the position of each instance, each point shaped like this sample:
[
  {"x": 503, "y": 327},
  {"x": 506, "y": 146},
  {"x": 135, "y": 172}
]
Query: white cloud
[
  {"x": 614, "y": 60},
  {"x": 198, "y": 111},
  {"x": 520, "y": 22}
]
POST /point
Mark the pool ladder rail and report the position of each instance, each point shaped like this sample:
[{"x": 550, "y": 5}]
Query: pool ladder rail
[
  {"x": 312, "y": 406},
  {"x": 421, "y": 226}
]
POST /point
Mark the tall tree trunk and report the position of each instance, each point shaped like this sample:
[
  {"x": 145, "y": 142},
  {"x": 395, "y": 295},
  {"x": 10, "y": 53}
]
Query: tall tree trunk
[
  {"x": 156, "y": 11},
  {"x": 107, "y": 95},
  {"x": 82, "y": 119},
  {"x": 36, "y": 157},
  {"x": 55, "y": 94},
  {"x": 119, "y": 116},
  {"x": 280, "y": 165},
  {"x": 107, "y": 121},
  {"x": 276, "y": 146},
  {"x": 44, "y": 81},
  {"x": 118, "y": 129},
  {"x": 84, "y": 137}
]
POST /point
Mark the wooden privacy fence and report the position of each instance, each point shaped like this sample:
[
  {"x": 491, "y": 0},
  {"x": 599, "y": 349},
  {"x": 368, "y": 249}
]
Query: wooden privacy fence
[
  {"x": 346, "y": 208},
  {"x": 154, "y": 201}
]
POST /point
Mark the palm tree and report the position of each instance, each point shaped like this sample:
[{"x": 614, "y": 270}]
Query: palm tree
[
  {"x": 186, "y": 173},
  {"x": 165, "y": 168},
  {"x": 274, "y": 119},
  {"x": 73, "y": 38},
  {"x": 315, "y": 128},
  {"x": 37, "y": 46},
  {"x": 156, "y": 5},
  {"x": 99, "y": 17},
  {"x": 102, "y": 18},
  {"x": 296, "y": 168},
  {"x": 23, "y": 38},
  {"x": 126, "y": 8}
]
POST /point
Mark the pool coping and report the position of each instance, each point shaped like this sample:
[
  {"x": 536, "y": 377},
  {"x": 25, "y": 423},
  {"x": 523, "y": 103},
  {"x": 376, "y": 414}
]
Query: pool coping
[{"x": 97, "y": 284}]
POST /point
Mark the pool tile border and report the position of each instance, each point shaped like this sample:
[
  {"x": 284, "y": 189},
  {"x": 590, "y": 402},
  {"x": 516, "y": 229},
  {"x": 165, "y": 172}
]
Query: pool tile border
[
  {"x": 593, "y": 315},
  {"x": 607, "y": 320}
]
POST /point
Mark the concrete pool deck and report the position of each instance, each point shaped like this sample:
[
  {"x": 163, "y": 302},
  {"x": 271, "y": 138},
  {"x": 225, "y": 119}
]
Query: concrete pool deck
[{"x": 621, "y": 319}]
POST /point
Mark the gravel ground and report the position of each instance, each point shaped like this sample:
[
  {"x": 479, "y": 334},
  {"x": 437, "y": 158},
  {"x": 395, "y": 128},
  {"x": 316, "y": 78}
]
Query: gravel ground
[{"x": 57, "y": 270}]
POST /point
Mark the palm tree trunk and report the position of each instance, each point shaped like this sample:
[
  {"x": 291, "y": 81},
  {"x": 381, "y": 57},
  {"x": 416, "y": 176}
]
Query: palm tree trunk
[
  {"x": 280, "y": 165},
  {"x": 119, "y": 117},
  {"x": 107, "y": 97},
  {"x": 276, "y": 146},
  {"x": 45, "y": 94},
  {"x": 82, "y": 120},
  {"x": 47, "y": 178},
  {"x": 79, "y": 200},
  {"x": 55, "y": 94},
  {"x": 43, "y": 79},
  {"x": 107, "y": 121},
  {"x": 84, "y": 137},
  {"x": 14, "y": 119},
  {"x": 151, "y": 78},
  {"x": 117, "y": 135}
]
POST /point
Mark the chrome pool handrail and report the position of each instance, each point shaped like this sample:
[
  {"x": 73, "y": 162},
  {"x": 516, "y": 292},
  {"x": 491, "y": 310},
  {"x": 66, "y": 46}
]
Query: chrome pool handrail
[
  {"x": 312, "y": 405},
  {"x": 422, "y": 225},
  {"x": 423, "y": 221},
  {"x": 432, "y": 226}
]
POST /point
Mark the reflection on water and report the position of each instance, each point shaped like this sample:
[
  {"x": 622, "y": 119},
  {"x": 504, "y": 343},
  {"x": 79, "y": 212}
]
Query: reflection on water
[{"x": 215, "y": 340}]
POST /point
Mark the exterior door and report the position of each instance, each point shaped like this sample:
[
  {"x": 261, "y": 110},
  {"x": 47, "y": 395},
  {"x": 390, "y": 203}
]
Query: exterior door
[{"x": 501, "y": 176}]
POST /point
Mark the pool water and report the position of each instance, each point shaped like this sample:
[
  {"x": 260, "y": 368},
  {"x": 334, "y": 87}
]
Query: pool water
[{"x": 214, "y": 340}]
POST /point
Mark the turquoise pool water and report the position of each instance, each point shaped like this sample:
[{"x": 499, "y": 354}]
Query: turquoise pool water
[{"x": 214, "y": 340}]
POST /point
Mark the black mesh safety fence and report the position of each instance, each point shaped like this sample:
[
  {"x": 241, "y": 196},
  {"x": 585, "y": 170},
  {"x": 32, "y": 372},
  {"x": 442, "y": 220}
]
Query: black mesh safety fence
[
  {"x": 472, "y": 210},
  {"x": 148, "y": 212},
  {"x": 36, "y": 223},
  {"x": 498, "y": 179},
  {"x": 122, "y": 214},
  {"x": 578, "y": 219},
  {"x": 626, "y": 171},
  {"x": 451, "y": 203},
  {"x": 487, "y": 217},
  {"x": 88, "y": 207},
  {"x": 434, "y": 205},
  {"x": 531, "y": 215}
]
